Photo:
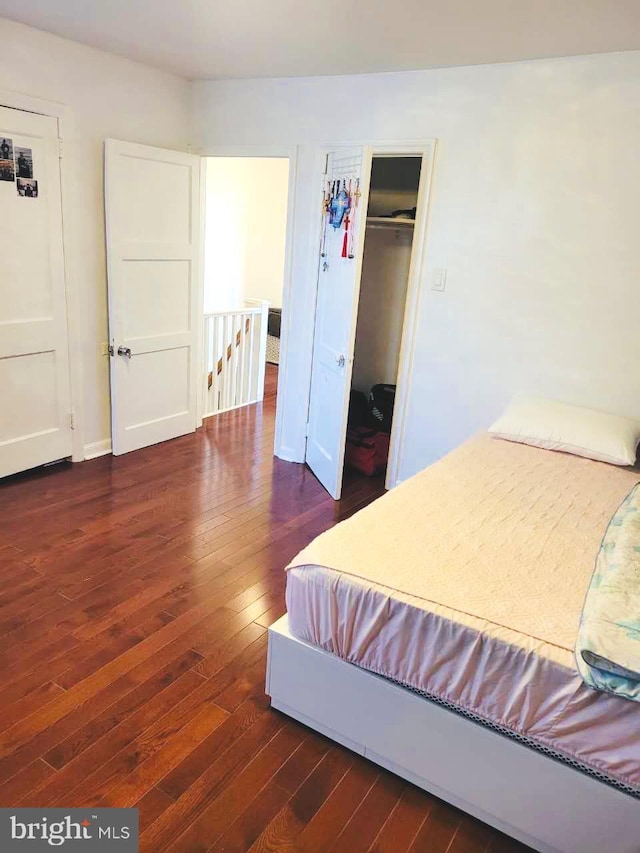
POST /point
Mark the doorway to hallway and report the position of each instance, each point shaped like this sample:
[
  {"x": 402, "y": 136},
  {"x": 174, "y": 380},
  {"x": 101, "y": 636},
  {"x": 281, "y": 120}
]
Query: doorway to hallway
[{"x": 246, "y": 202}]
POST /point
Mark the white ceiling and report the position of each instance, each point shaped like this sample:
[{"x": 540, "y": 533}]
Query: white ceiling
[{"x": 281, "y": 38}]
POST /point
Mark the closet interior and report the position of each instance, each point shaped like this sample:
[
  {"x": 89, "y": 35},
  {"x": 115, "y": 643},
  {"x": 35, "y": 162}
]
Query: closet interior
[{"x": 391, "y": 213}]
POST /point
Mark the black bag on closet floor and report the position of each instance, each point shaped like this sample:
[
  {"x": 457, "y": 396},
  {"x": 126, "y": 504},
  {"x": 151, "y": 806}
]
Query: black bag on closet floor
[
  {"x": 358, "y": 410},
  {"x": 381, "y": 400}
]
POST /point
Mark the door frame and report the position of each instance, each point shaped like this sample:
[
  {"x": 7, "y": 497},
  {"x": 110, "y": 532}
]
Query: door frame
[
  {"x": 415, "y": 284},
  {"x": 262, "y": 151},
  {"x": 426, "y": 149},
  {"x": 66, "y": 125}
]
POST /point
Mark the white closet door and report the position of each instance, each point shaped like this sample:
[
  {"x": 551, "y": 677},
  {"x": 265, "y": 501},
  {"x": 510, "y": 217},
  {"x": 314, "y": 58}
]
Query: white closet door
[
  {"x": 335, "y": 327},
  {"x": 35, "y": 409},
  {"x": 153, "y": 251}
]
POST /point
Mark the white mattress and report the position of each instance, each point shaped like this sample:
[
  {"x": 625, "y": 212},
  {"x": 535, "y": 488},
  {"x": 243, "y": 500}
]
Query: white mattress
[{"x": 505, "y": 658}]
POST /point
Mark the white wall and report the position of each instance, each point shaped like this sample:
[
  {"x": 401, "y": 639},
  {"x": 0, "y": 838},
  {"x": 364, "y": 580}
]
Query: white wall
[
  {"x": 246, "y": 223},
  {"x": 108, "y": 97},
  {"x": 383, "y": 294},
  {"x": 534, "y": 213}
]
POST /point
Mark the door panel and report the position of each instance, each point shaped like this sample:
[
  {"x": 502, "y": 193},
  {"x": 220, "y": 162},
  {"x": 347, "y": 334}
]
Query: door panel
[
  {"x": 35, "y": 414},
  {"x": 153, "y": 214},
  {"x": 335, "y": 327},
  {"x": 149, "y": 286}
]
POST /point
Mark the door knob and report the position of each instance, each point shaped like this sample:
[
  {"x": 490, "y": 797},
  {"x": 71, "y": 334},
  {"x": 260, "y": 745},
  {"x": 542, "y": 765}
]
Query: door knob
[
  {"x": 124, "y": 351},
  {"x": 341, "y": 360}
]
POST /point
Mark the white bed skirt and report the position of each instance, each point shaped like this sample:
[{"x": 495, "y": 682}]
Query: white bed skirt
[{"x": 530, "y": 796}]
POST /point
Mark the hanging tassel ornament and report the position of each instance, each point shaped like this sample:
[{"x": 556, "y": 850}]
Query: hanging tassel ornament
[
  {"x": 352, "y": 218},
  {"x": 347, "y": 220},
  {"x": 345, "y": 239}
]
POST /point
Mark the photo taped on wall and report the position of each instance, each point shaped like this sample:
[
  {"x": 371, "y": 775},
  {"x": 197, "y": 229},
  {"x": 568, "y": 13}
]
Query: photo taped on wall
[
  {"x": 7, "y": 166},
  {"x": 6, "y": 148},
  {"x": 27, "y": 188},
  {"x": 24, "y": 162},
  {"x": 7, "y": 170}
]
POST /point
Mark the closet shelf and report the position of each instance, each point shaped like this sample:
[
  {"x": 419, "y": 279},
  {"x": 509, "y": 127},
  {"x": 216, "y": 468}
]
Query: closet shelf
[{"x": 389, "y": 222}]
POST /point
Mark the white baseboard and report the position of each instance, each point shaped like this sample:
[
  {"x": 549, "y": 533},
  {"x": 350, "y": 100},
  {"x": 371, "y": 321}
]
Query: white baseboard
[{"x": 97, "y": 448}]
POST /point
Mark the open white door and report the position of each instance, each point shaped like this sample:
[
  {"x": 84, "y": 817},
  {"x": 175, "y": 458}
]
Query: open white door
[
  {"x": 153, "y": 252},
  {"x": 335, "y": 326},
  {"x": 35, "y": 408}
]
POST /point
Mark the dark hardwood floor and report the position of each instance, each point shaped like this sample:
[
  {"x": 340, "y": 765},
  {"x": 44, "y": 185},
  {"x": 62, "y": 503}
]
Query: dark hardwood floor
[{"x": 136, "y": 594}]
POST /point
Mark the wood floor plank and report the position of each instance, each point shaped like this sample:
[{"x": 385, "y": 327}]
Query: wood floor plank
[
  {"x": 137, "y": 592},
  {"x": 174, "y": 749},
  {"x": 110, "y": 648},
  {"x": 336, "y": 811},
  {"x": 218, "y": 656},
  {"x": 472, "y": 836},
  {"x": 403, "y": 824},
  {"x": 154, "y": 803},
  {"x": 30, "y": 777},
  {"x": 271, "y": 615},
  {"x": 247, "y": 684},
  {"x": 85, "y": 736},
  {"x": 34, "y": 700},
  {"x": 221, "y": 753},
  {"x": 288, "y": 824},
  {"x": 438, "y": 830},
  {"x": 370, "y": 816},
  {"x": 29, "y": 656},
  {"x": 112, "y": 756},
  {"x": 219, "y": 814},
  {"x": 216, "y": 780},
  {"x": 256, "y": 816}
]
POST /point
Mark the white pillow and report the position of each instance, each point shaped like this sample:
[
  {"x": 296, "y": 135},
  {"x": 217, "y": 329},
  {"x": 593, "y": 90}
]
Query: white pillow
[{"x": 571, "y": 429}]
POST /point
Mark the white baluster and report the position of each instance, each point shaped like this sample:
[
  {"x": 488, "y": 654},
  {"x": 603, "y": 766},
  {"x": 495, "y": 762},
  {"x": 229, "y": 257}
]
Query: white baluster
[{"x": 216, "y": 356}]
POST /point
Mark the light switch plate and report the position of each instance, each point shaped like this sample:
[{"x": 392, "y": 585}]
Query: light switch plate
[{"x": 439, "y": 279}]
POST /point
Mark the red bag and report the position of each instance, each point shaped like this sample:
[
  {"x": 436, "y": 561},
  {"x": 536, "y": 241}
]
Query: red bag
[
  {"x": 382, "y": 441},
  {"x": 367, "y": 450}
]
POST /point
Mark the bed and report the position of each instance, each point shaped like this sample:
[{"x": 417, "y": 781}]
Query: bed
[{"x": 434, "y": 633}]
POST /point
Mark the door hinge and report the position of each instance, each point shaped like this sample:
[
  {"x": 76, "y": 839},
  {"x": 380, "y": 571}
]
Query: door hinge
[
  {"x": 72, "y": 420},
  {"x": 60, "y": 149}
]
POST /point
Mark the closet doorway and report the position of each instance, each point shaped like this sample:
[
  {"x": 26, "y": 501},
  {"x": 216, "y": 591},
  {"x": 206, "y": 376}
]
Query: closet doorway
[{"x": 369, "y": 283}]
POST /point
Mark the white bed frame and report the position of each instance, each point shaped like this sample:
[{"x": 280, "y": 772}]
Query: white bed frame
[{"x": 530, "y": 796}]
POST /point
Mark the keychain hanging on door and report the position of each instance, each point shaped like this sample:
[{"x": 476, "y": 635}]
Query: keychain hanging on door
[
  {"x": 326, "y": 205},
  {"x": 335, "y": 189},
  {"x": 339, "y": 206},
  {"x": 352, "y": 218}
]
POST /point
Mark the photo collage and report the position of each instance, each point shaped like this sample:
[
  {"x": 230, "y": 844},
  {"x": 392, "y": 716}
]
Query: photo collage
[{"x": 16, "y": 165}]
